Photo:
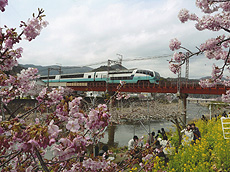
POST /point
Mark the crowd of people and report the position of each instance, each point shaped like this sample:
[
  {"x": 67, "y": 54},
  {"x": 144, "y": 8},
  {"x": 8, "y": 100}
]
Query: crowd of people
[{"x": 158, "y": 142}]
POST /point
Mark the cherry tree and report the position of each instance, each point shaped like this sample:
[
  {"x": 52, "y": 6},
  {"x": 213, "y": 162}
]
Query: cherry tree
[
  {"x": 68, "y": 130},
  {"x": 216, "y": 17}
]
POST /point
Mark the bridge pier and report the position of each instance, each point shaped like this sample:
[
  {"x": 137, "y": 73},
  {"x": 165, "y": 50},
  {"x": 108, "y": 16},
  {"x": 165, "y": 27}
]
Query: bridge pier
[
  {"x": 183, "y": 98},
  {"x": 111, "y": 134}
]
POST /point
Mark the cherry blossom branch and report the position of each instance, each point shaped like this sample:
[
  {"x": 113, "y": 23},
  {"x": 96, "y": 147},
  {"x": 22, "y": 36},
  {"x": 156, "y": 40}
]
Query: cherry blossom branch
[
  {"x": 31, "y": 110},
  {"x": 62, "y": 168},
  {"x": 12, "y": 115},
  {"x": 219, "y": 1},
  {"x": 2, "y": 54},
  {"x": 188, "y": 56},
  {"x": 28, "y": 157},
  {"x": 11, "y": 158},
  {"x": 43, "y": 164},
  {"x": 218, "y": 44},
  {"x": 186, "y": 49},
  {"x": 225, "y": 29},
  {"x": 55, "y": 162},
  {"x": 5, "y": 156},
  {"x": 120, "y": 86},
  {"x": 146, "y": 163},
  {"x": 223, "y": 67},
  {"x": 136, "y": 155}
]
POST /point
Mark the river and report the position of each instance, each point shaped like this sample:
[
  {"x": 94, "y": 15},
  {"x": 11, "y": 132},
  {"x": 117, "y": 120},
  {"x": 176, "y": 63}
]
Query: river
[{"x": 124, "y": 132}]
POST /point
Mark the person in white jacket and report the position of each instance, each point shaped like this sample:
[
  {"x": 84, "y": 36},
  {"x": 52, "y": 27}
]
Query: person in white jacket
[
  {"x": 133, "y": 143},
  {"x": 188, "y": 135}
]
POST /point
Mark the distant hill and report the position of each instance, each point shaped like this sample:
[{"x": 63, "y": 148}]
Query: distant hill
[
  {"x": 182, "y": 79},
  {"x": 209, "y": 77},
  {"x": 113, "y": 67},
  {"x": 43, "y": 70},
  {"x": 15, "y": 70}
]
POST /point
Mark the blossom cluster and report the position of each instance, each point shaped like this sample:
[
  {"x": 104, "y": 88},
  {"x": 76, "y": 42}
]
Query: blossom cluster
[
  {"x": 68, "y": 129},
  {"x": 217, "y": 18},
  {"x": 209, "y": 7},
  {"x": 51, "y": 97},
  {"x": 3, "y": 4},
  {"x": 33, "y": 28},
  {"x": 174, "y": 44},
  {"x": 13, "y": 86}
]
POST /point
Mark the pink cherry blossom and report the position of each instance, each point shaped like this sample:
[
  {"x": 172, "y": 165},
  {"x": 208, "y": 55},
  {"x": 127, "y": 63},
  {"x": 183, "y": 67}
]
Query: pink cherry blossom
[
  {"x": 53, "y": 130},
  {"x": 29, "y": 169},
  {"x": 183, "y": 15},
  {"x": 3, "y": 3},
  {"x": 33, "y": 28},
  {"x": 178, "y": 57},
  {"x": 206, "y": 6},
  {"x": 119, "y": 96},
  {"x": 174, "y": 68},
  {"x": 73, "y": 125},
  {"x": 174, "y": 44},
  {"x": 122, "y": 83},
  {"x": 127, "y": 96},
  {"x": 226, "y": 97}
]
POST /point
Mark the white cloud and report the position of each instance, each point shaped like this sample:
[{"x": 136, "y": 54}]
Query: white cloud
[{"x": 84, "y": 32}]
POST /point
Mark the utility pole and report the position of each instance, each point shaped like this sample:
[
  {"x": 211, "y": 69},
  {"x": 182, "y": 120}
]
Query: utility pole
[
  {"x": 179, "y": 81},
  {"x": 120, "y": 59},
  {"x": 49, "y": 69},
  {"x": 183, "y": 96},
  {"x": 187, "y": 66},
  {"x": 109, "y": 63}
]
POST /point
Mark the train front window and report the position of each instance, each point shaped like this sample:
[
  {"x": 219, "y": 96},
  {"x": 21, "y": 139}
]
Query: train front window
[
  {"x": 145, "y": 72},
  {"x": 73, "y": 76}
]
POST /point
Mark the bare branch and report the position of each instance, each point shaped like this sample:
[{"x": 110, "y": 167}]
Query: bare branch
[
  {"x": 11, "y": 158},
  {"x": 31, "y": 110},
  {"x": 43, "y": 164},
  {"x": 227, "y": 30},
  {"x": 223, "y": 67}
]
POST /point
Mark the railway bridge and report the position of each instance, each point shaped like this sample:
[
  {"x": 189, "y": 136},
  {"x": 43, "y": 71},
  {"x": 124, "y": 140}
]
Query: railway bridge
[
  {"x": 183, "y": 89},
  {"x": 145, "y": 86}
]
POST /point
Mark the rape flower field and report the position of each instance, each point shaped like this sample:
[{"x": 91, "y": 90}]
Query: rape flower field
[{"x": 210, "y": 154}]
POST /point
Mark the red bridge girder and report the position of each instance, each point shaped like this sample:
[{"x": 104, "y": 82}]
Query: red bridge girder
[{"x": 162, "y": 87}]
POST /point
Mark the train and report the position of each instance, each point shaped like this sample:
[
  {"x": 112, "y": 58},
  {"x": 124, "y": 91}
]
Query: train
[{"x": 115, "y": 76}]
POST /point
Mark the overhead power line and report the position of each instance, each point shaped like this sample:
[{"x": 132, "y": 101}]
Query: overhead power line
[
  {"x": 132, "y": 59},
  {"x": 148, "y": 58},
  {"x": 124, "y": 59}
]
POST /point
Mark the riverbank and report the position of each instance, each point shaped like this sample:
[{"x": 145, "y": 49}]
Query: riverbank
[
  {"x": 211, "y": 153},
  {"x": 122, "y": 133}
]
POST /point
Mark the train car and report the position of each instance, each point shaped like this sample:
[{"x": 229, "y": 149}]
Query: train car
[
  {"x": 133, "y": 76},
  {"x": 129, "y": 76}
]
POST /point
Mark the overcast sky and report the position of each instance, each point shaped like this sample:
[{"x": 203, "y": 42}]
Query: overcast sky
[{"x": 82, "y": 32}]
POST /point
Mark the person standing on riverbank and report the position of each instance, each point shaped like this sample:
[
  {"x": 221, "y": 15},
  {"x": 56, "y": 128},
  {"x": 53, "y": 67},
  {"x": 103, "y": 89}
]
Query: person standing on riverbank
[
  {"x": 151, "y": 139},
  {"x": 188, "y": 135},
  {"x": 133, "y": 143},
  {"x": 196, "y": 133},
  {"x": 163, "y": 133}
]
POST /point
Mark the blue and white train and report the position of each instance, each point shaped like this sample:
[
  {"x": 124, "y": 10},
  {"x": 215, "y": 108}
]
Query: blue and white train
[{"x": 129, "y": 76}]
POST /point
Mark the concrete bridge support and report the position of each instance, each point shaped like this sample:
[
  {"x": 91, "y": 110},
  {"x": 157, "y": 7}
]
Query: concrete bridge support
[
  {"x": 111, "y": 134},
  {"x": 183, "y": 98}
]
